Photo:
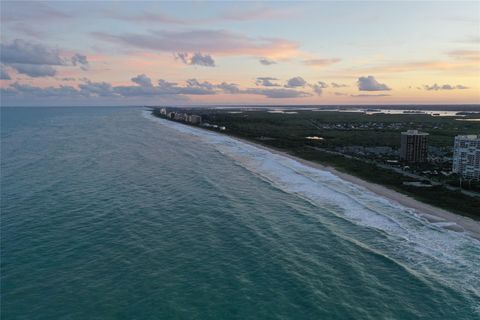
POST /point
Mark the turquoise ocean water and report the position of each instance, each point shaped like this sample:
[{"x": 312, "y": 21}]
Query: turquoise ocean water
[{"x": 108, "y": 213}]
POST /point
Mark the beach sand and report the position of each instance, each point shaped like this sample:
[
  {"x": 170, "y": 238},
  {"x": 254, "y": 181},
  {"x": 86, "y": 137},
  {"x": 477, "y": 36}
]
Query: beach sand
[{"x": 434, "y": 215}]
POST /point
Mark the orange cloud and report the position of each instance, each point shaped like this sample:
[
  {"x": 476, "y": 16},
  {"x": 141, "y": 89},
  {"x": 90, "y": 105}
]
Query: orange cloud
[{"x": 321, "y": 62}]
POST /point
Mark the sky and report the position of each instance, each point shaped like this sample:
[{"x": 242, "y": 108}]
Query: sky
[{"x": 239, "y": 53}]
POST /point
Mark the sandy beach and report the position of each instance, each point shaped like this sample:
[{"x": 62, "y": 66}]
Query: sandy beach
[{"x": 439, "y": 217}]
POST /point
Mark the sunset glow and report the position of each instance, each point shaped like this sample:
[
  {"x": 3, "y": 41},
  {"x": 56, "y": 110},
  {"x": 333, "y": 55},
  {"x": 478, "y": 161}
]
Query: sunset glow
[{"x": 64, "y": 53}]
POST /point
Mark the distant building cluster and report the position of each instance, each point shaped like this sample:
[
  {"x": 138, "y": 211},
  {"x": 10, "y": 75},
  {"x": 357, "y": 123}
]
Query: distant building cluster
[
  {"x": 413, "y": 146},
  {"x": 466, "y": 152},
  {"x": 466, "y": 156},
  {"x": 181, "y": 116}
]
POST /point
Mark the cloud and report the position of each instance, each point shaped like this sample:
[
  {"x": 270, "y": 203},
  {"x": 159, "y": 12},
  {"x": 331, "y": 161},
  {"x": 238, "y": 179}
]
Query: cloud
[
  {"x": 28, "y": 90},
  {"x": 319, "y": 86},
  {"x": 267, "y": 62},
  {"x": 36, "y": 60},
  {"x": 96, "y": 89},
  {"x": 235, "y": 14},
  {"x": 81, "y": 60},
  {"x": 198, "y": 59},
  {"x": 266, "y": 82},
  {"x": 20, "y": 51},
  {"x": 211, "y": 41},
  {"x": 144, "y": 88},
  {"x": 370, "y": 84},
  {"x": 369, "y": 95},
  {"x": 321, "y": 62},
  {"x": 338, "y": 85},
  {"x": 261, "y": 13},
  {"x": 34, "y": 70},
  {"x": 460, "y": 60},
  {"x": 277, "y": 93},
  {"x": 4, "y": 74},
  {"x": 30, "y": 11},
  {"x": 436, "y": 87},
  {"x": 143, "y": 80},
  {"x": 472, "y": 55},
  {"x": 149, "y": 17},
  {"x": 295, "y": 82},
  {"x": 28, "y": 30},
  {"x": 228, "y": 87}
]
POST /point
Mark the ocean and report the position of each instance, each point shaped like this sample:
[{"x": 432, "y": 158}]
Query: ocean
[{"x": 110, "y": 213}]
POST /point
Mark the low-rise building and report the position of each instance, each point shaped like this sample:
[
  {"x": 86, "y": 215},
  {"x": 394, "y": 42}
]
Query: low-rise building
[{"x": 466, "y": 156}]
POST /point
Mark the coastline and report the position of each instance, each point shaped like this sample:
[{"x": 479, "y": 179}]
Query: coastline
[
  {"x": 434, "y": 215},
  {"x": 440, "y": 217}
]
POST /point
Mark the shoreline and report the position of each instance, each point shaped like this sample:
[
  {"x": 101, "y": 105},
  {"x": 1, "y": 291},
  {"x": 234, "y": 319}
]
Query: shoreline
[{"x": 434, "y": 215}]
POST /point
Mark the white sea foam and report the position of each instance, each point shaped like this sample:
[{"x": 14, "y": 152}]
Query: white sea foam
[{"x": 409, "y": 236}]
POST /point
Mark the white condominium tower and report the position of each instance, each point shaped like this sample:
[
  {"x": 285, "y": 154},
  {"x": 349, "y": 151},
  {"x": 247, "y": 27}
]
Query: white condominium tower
[{"x": 466, "y": 156}]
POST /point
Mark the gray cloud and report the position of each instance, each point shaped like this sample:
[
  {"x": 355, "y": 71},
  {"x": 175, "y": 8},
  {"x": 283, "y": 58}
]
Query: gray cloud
[
  {"x": 36, "y": 60},
  {"x": 144, "y": 89},
  {"x": 4, "y": 74},
  {"x": 319, "y": 86},
  {"x": 266, "y": 62},
  {"x": 197, "y": 59},
  {"x": 436, "y": 87},
  {"x": 202, "y": 60},
  {"x": 228, "y": 87},
  {"x": 34, "y": 70},
  {"x": 277, "y": 93},
  {"x": 20, "y": 51},
  {"x": 26, "y": 89},
  {"x": 369, "y": 95},
  {"x": 81, "y": 60},
  {"x": 96, "y": 89},
  {"x": 338, "y": 85},
  {"x": 370, "y": 84},
  {"x": 143, "y": 80},
  {"x": 266, "y": 82},
  {"x": 295, "y": 82}
]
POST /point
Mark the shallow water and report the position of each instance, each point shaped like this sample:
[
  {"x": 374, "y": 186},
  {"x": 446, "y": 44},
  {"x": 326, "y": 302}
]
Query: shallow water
[{"x": 110, "y": 213}]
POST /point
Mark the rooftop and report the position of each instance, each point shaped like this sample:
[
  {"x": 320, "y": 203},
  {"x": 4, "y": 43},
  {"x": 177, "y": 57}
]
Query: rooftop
[
  {"x": 468, "y": 137},
  {"x": 415, "y": 133}
]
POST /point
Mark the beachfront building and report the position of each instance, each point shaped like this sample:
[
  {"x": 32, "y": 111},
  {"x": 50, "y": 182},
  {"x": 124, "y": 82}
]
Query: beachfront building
[
  {"x": 194, "y": 119},
  {"x": 414, "y": 146},
  {"x": 180, "y": 116},
  {"x": 466, "y": 156}
]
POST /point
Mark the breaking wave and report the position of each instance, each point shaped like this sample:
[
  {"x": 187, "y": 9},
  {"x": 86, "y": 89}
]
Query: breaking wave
[{"x": 426, "y": 249}]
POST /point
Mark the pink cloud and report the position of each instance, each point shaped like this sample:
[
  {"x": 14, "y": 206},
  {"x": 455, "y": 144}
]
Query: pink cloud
[{"x": 220, "y": 42}]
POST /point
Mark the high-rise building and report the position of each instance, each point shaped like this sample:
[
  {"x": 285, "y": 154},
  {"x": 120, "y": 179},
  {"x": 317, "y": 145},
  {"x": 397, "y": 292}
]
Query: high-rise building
[
  {"x": 413, "y": 146},
  {"x": 466, "y": 156}
]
